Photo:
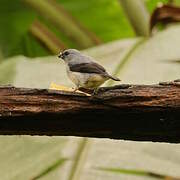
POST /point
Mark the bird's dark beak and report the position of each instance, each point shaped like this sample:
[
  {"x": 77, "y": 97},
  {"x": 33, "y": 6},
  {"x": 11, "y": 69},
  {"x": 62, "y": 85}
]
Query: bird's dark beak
[{"x": 61, "y": 56}]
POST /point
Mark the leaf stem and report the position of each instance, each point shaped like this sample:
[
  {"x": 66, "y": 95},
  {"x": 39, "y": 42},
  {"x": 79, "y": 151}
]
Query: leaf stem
[
  {"x": 137, "y": 15},
  {"x": 80, "y": 157},
  {"x": 47, "y": 37},
  {"x": 57, "y": 15}
]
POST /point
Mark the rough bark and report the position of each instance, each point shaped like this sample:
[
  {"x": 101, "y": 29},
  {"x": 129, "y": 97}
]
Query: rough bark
[{"x": 132, "y": 112}]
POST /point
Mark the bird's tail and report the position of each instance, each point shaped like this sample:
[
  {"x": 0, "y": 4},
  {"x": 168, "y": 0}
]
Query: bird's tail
[{"x": 114, "y": 78}]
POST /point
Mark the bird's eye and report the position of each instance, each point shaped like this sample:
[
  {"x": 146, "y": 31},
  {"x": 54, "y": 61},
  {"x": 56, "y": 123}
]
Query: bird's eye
[{"x": 66, "y": 53}]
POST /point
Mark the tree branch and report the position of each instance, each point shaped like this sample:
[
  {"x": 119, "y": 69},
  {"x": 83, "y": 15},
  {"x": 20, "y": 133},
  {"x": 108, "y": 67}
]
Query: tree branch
[{"x": 132, "y": 112}]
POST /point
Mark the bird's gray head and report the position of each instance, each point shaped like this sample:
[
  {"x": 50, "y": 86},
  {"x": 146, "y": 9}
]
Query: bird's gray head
[
  {"x": 69, "y": 54},
  {"x": 73, "y": 56}
]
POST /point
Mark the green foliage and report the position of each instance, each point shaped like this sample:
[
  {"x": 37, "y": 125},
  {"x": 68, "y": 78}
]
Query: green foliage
[
  {"x": 104, "y": 18},
  {"x": 15, "y": 20}
]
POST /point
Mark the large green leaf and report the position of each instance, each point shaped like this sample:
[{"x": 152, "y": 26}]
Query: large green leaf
[{"x": 26, "y": 157}]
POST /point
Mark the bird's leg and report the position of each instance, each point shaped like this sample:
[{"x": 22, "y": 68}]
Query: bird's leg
[
  {"x": 95, "y": 91},
  {"x": 76, "y": 88}
]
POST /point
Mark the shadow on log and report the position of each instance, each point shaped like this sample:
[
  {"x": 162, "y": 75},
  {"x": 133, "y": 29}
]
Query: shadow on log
[{"x": 131, "y": 112}]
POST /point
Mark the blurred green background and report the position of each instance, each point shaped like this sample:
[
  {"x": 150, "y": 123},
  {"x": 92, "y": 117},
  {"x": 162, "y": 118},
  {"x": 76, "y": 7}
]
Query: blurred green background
[
  {"x": 33, "y": 32},
  {"x": 100, "y": 21}
]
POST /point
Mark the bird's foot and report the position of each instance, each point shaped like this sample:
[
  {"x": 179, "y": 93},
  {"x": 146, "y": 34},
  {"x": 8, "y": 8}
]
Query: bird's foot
[
  {"x": 75, "y": 89},
  {"x": 95, "y": 91}
]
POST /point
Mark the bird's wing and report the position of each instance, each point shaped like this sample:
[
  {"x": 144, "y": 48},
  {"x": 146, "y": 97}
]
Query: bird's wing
[{"x": 88, "y": 68}]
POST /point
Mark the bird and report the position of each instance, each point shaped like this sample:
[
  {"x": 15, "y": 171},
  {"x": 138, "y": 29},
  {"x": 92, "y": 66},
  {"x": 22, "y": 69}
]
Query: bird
[{"x": 84, "y": 71}]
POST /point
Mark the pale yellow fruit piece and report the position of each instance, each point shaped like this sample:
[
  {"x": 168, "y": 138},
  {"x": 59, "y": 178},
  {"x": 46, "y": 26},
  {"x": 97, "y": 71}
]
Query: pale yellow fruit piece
[{"x": 54, "y": 86}]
